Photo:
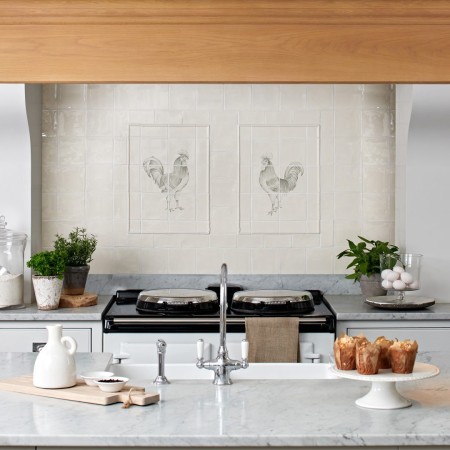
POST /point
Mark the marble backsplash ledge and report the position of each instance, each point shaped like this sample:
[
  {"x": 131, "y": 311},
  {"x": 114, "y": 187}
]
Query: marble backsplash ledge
[{"x": 328, "y": 284}]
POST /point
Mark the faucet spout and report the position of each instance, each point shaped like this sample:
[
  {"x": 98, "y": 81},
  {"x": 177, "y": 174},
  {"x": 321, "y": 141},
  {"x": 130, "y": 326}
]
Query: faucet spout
[
  {"x": 222, "y": 365},
  {"x": 223, "y": 309}
]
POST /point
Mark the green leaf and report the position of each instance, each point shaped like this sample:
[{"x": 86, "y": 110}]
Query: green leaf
[
  {"x": 366, "y": 256},
  {"x": 48, "y": 263},
  {"x": 366, "y": 240},
  {"x": 79, "y": 247}
]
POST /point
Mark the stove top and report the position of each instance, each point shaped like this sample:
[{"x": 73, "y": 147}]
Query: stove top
[{"x": 121, "y": 316}]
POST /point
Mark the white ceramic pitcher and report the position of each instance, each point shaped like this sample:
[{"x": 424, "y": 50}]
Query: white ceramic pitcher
[{"x": 55, "y": 364}]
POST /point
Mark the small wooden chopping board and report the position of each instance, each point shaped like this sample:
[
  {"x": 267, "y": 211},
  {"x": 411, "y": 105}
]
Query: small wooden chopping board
[
  {"x": 77, "y": 301},
  {"x": 81, "y": 392}
]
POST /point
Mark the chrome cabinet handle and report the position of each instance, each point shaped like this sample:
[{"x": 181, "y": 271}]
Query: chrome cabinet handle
[
  {"x": 120, "y": 357},
  {"x": 38, "y": 346}
]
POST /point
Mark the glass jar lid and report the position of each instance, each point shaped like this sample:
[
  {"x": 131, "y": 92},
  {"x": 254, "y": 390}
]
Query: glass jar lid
[{"x": 10, "y": 235}]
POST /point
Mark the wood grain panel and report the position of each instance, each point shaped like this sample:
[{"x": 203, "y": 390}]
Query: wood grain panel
[
  {"x": 223, "y": 11},
  {"x": 224, "y": 41}
]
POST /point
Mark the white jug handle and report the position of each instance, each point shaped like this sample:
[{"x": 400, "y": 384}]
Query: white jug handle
[{"x": 72, "y": 347}]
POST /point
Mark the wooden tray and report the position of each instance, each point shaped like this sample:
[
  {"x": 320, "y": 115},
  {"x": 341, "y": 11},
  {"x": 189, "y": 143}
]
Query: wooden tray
[{"x": 81, "y": 392}]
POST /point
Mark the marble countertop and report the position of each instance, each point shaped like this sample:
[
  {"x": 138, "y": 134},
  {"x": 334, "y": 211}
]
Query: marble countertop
[
  {"x": 345, "y": 307},
  {"x": 288, "y": 413},
  {"x": 31, "y": 312},
  {"x": 353, "y": 307}
]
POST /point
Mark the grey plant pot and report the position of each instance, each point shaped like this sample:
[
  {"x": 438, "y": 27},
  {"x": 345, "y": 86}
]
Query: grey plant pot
[
  {"x": 371, "y": 286},
  {"x": 75, "y": 278}
]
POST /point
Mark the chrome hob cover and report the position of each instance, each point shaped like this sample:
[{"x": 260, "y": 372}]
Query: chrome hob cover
[
  {"x": 177, "y": 301},
  {"x": 265, "y": 302}
]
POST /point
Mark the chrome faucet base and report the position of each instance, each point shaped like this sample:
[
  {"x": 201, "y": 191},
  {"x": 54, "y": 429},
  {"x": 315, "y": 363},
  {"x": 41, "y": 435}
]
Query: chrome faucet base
[
  {"x": 222, "y": 380},
  {"x": 222, "y": 365},
  {"x": 222, "y": 368},
  {"x": 161, "y": 379}
]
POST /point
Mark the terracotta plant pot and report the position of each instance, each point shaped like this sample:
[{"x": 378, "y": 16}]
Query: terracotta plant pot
[
  {"x": 47, "y": 291},
  {"x": 75, "y": 278},
  {"x": 371, "y": 286}
]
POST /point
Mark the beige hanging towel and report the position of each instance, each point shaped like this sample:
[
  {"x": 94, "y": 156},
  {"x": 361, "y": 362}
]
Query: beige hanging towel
[{"x": 273, "y": 339}]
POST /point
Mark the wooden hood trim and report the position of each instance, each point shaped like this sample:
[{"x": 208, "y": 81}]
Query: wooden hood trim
[{"x": 225, "y": 41}]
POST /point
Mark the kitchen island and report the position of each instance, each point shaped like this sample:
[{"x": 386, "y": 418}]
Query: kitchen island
[{"x": 263, "y": 413}]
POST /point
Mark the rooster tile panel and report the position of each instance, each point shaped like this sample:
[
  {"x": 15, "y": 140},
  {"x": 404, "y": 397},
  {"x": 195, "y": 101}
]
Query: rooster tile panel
[
  {"x": 279, "y": 179},
  {"x": 168, "y": 179}
]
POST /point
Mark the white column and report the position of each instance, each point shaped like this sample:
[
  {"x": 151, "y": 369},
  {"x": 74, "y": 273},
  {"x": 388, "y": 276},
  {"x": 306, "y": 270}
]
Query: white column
[
  {"x": 403, "y": 105},
  {"x": 15, "y": 166},
  {"x": 428, "y": 187}
]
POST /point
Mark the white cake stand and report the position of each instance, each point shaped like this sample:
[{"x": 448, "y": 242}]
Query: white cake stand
[{"x": 383, "y": 393}]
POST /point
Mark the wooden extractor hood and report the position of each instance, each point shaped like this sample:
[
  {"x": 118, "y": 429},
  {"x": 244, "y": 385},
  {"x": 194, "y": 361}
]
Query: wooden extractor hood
[{"x": 225, "y": 41}]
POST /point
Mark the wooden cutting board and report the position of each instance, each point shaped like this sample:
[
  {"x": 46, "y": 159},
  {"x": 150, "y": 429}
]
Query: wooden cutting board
[
  {"x": 81, "y": 392},
  {"x": 77, "y": 301}
]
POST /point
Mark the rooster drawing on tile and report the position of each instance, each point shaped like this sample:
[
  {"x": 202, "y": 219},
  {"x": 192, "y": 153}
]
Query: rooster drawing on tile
[
  {"x": 275, "y": 186},
  {"x": 172, "y": 183}
]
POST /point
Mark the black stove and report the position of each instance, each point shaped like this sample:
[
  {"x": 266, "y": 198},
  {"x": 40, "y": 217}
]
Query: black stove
[{"x": 121, "y": 316}]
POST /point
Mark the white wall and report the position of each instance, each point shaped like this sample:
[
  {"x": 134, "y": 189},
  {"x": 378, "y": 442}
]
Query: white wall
[
  {"x": 428, "y": 187},
  {"x": 85, "y": 162},
  {"x": 15, "y": 165}
]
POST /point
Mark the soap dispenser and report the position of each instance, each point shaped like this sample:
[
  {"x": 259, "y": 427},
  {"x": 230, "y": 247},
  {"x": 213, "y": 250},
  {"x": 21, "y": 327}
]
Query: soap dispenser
[{"x": 55, "y": 364}]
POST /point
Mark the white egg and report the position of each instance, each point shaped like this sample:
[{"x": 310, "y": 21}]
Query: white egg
[
  {"x": 398, "y": 269},
  {"x": 385, "y": 273},
  {"x": 414, "y": 285},
  {"x": 386, "y": 284},
  {"x": 406, "y": 277},
  {"x": 399, "y": 285},
  {"x": 393, "y": 276}
]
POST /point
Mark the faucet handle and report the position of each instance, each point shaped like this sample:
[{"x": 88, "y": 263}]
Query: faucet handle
[
  {"x": 161, "y": 346},
  {"x": 244, "y": 349},
  {"x": 200, "y": 348}
]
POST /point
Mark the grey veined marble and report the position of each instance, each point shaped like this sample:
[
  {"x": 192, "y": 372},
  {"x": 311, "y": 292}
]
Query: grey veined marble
[
  {"x": 353, "y": 307},
  {"x": 289, "y": 413},
  {"x": 331, "y": 284}
]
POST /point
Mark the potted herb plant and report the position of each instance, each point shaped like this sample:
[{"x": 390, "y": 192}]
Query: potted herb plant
[
  {"x": 366, "y": 263},
  {"x": 48, "y": 267},
  {"x": 79, "y": 248}
]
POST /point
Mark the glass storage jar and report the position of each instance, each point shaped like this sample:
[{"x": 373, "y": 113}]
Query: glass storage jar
[{"x": 12, "y": 247}]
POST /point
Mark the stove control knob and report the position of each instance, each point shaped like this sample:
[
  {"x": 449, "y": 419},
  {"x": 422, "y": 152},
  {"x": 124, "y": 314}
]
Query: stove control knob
[{"x": 312, "y": 357}]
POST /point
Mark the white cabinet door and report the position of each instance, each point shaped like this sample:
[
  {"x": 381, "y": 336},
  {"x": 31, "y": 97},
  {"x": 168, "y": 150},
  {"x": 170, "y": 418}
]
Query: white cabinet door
[
  {"x": 18, "y": 448},
  {"x": 429, "y": 339},
  {"x": 29, "y": 339}
]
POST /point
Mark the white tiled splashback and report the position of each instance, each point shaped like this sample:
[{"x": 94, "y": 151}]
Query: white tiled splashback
[{"x": 97, "y": 137}]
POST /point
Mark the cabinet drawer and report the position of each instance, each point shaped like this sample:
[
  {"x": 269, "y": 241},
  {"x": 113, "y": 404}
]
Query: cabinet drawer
[
  {"x": 429, "y": 339},
  {"x": 22, "y": 339}
]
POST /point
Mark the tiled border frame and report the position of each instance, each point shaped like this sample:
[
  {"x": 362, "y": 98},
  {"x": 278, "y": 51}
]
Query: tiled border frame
[
  {"x": 317, "y": 126},
  {"x": 199, "y": 229}
]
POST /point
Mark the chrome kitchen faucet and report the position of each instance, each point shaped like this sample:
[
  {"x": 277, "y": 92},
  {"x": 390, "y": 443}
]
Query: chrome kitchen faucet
[{"x": 222, "y": 365}]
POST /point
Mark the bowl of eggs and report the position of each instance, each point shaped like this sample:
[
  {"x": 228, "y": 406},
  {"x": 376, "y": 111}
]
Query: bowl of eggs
[{"x": 400, "y": 273}]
